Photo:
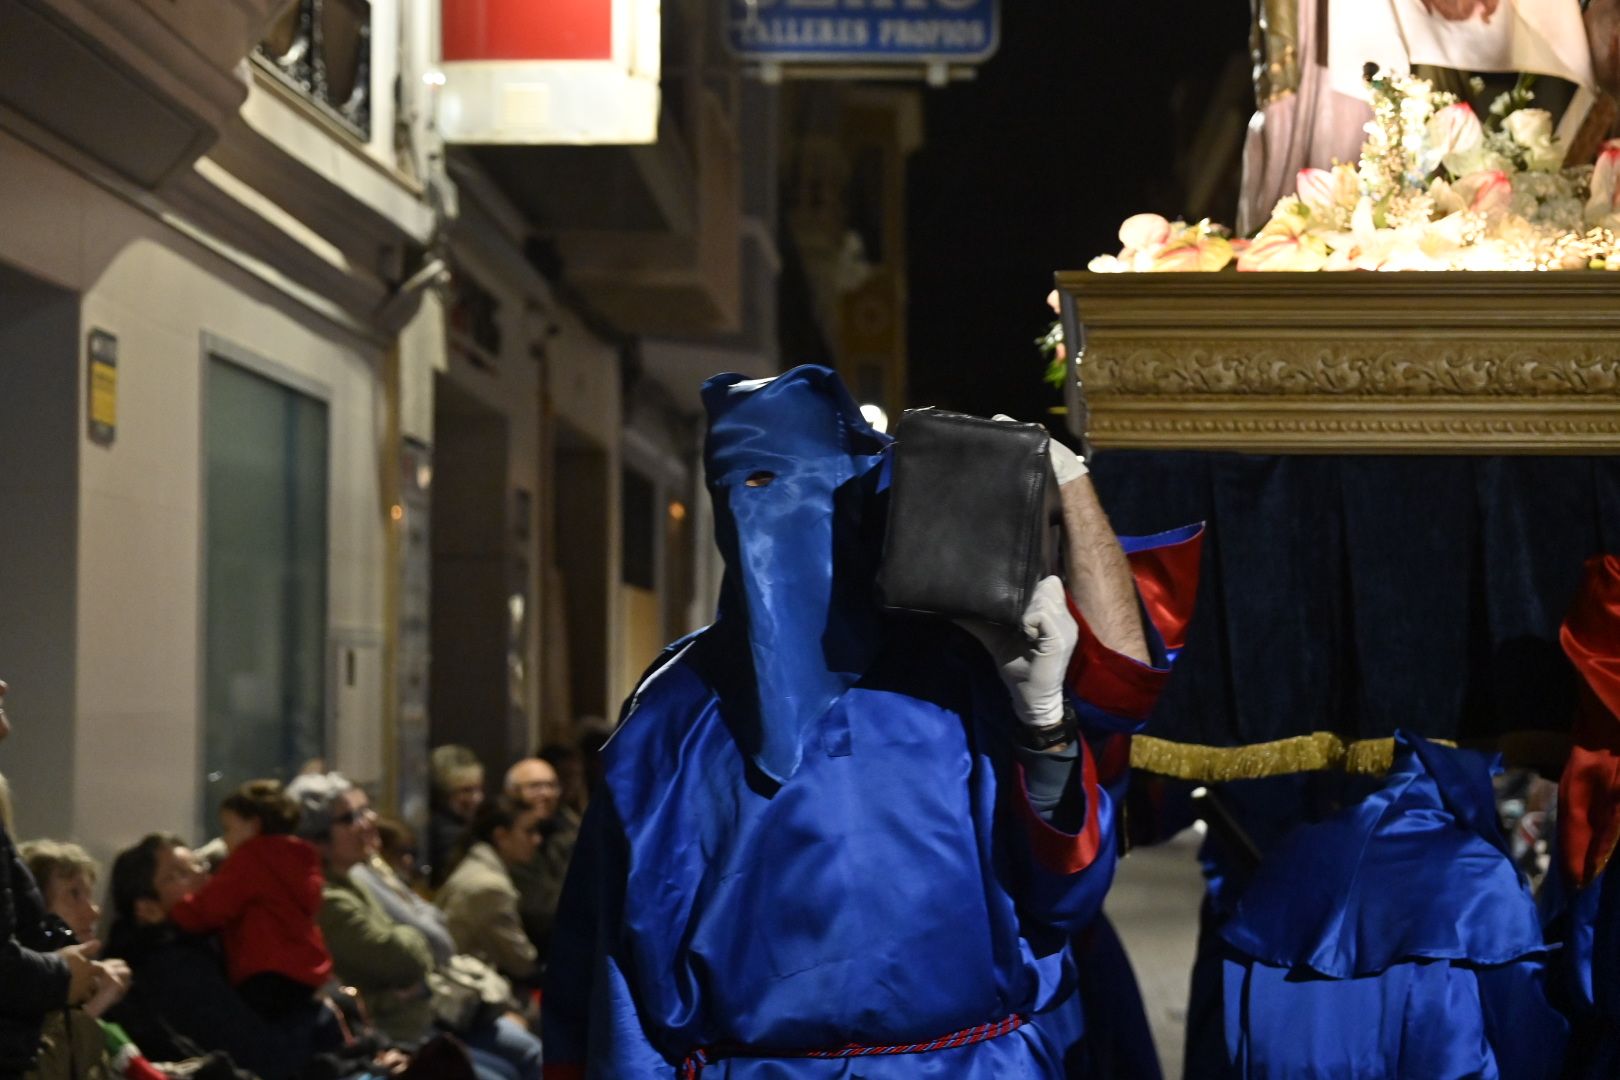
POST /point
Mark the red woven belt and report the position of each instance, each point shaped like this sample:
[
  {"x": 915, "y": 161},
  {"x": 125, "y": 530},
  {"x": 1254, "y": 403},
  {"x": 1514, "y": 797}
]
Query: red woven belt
[{"x": 708, "y": 1055}]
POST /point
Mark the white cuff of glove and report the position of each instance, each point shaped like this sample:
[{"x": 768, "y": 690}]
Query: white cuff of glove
[{"x": 1067, "y": 464}]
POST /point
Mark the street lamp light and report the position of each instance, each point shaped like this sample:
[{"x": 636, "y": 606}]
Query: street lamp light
[{"x": 875, "y": 416}]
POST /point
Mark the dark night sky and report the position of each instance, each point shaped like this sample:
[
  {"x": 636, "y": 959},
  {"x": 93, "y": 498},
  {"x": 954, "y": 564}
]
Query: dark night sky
[{"x": 1031, "y": 167}]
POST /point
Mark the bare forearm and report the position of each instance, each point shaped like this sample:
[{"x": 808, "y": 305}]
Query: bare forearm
[{"x": 1099, "y": 577}]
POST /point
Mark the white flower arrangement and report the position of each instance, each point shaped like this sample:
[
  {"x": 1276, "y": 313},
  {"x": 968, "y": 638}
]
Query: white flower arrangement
[{"x": 1436, "y": 188}]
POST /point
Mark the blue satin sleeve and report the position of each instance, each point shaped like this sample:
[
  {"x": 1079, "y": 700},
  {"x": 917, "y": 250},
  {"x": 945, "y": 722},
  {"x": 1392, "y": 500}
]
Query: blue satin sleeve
[
  {"x": 574, "y": 943},
  {"x": 1586, "y": 924},
  {"x": 1526, "y": 1033},
  {"x": 587, "y": 998},
  {"x": 1066, "y": 862}
]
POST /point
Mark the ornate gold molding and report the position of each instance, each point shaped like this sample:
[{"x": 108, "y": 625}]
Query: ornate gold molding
[
  {"x": 1432, "y": 367},
  {"x": 1335, "y": 363},
  {"x": 1361, "y": 426}
]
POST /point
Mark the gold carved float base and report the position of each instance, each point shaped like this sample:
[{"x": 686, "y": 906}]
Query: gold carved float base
[{"x": 1425, "y": 363}]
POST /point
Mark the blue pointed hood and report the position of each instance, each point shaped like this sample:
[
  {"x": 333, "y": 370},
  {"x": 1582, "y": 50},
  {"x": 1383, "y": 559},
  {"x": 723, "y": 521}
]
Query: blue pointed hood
[
  {"x": 1417, "y": 870},
  {"x": 801, "y": 546}
]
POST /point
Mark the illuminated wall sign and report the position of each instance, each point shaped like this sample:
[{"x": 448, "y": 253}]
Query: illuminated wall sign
[
  {"x": 524, "y": 30},
  {"x": 909, "y": 31},
  {"x": 559, "y": 72}
]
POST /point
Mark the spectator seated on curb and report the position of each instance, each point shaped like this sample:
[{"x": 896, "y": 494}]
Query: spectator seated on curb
[
  {"x": 480, "y": 901},
  {"x": 181, "y": 1002},
  {"x": 42, "y": 970},
  {"x": 396, "y": 846},
  {"x": 67, "y": 877},
  {"x": 386, "y": 960},
  {"x": 402, "y": 903},
  {"x": 545, "y": 787},
  {"x": 262, "y": 902},
  {"x": 458, "y": 788}
]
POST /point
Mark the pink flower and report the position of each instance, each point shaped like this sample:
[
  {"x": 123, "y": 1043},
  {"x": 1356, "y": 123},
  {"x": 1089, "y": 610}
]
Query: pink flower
[
  {"x": 1488, "y": 191},
  {"x": 1282, "y": 251},
  {"x": 1455, "y": 130},
  {"x": 1204, "y": 253},
  {"x": 1605, "y": 197},
  {"x": 1176, "y": 259},
  {"x": 1143, "y": 232},
  {"x": 1324, "y": 191},
  {"x": 1315, "y": 187}
]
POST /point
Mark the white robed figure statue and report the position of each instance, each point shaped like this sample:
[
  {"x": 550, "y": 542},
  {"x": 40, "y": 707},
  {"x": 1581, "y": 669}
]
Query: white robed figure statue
[{"x": 1311, "y": 54}]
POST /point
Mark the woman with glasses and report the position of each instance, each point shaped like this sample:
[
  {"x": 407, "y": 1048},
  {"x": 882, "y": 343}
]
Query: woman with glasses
[{"x": 386, "y": 960}]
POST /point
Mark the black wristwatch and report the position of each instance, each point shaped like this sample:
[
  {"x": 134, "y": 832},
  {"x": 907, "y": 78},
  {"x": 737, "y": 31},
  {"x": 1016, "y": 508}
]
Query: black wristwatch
[{"x": 1065, "y": 730}]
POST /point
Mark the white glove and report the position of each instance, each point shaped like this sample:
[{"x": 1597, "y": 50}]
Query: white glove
[
  {"x": 1034, "y": 664},
  {"x": 1065, "y": 462}
]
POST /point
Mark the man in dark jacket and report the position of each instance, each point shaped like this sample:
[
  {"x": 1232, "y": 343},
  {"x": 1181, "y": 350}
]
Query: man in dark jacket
[
  {"x": 40, "y": 969},
  {"x": 537, "y": 784}
]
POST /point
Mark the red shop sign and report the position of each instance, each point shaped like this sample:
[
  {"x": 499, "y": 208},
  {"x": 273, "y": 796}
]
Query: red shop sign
[{"x": 527, "y": 29}]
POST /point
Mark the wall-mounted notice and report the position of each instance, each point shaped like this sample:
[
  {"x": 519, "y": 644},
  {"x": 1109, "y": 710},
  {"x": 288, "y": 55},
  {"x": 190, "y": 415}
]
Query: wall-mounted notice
[{"x": 103, "y": 384}]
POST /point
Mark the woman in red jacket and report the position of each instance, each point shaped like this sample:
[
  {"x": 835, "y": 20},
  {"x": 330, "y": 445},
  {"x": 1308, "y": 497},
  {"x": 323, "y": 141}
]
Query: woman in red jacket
[{"x": 263, "y": 902}]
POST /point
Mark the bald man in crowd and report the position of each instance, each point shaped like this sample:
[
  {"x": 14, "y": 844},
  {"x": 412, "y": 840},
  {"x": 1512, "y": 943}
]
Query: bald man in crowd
[{"x": 539, "y": 882}]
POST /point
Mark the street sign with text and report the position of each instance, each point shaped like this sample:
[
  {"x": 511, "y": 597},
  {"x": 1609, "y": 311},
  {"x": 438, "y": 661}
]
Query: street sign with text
[{"x": 863, "y": 31}]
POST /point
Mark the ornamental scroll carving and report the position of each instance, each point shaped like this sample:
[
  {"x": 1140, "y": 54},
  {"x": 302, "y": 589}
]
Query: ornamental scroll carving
[
  {"x": 1411, "y": 369},
  {"x": 1369, "y": 427},
  {"x": 1472, "y": 363}
]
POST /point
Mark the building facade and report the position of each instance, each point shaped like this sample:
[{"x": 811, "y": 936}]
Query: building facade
[
  {"x": 218, "y": 231},
  {"x": 322, "y": 439}
]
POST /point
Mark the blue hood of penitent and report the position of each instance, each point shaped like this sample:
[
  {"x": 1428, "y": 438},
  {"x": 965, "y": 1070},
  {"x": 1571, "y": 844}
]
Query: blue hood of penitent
[
  {"x": 1418, "y": 870},
  {"x": 801, "y": 549}
]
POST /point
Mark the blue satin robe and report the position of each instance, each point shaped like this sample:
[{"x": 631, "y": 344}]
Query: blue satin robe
[
  {"x": 1586, "y": 922},
  {"x": 1394, "y": 940},
  {"x": 891, "y": 890}
]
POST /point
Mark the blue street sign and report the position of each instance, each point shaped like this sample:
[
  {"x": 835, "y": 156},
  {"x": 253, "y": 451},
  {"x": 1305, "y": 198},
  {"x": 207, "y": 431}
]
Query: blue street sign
[{"x": 868, "y": 31}]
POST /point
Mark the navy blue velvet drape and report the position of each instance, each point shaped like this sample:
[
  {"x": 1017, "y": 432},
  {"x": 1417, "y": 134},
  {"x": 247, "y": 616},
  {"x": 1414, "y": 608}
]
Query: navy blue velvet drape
[{"x": 1358, "y": 594}]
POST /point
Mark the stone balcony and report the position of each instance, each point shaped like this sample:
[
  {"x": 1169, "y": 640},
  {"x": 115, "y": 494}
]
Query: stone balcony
[{"x": 141, "y": 87}]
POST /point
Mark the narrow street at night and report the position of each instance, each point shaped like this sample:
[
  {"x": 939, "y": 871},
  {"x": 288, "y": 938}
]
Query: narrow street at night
[{"x": 809, "y": 539}]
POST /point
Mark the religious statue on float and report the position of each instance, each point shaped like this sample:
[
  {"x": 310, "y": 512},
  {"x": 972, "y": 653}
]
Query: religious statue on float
[{"x": 1311, "y": 56}]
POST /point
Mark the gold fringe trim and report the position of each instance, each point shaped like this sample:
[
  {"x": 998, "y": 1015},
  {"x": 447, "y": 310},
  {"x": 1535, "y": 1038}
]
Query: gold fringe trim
[{"x": 1316, "y": 752}]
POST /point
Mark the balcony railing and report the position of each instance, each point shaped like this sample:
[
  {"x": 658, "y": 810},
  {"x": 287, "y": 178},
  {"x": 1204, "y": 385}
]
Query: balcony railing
[{"x": 322, "y": 48}]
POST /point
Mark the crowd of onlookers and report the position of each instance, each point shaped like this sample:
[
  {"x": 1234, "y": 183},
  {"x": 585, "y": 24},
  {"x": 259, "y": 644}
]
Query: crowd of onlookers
[{"x": 312, "y": 940}]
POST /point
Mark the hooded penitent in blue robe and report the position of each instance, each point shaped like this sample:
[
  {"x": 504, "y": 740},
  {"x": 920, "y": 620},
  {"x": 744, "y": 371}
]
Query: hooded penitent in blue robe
[
  {"x": 1394, "y": 940},
  {"x": 813, "y": 836}
]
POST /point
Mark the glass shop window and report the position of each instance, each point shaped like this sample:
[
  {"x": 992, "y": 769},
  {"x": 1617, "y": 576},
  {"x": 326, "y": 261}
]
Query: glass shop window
[{"x": 266, "y": 449}]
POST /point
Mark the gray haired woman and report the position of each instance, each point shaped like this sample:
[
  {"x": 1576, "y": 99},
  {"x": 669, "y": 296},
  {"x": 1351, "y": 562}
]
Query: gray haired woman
[{"x": 386, "y": 959}]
